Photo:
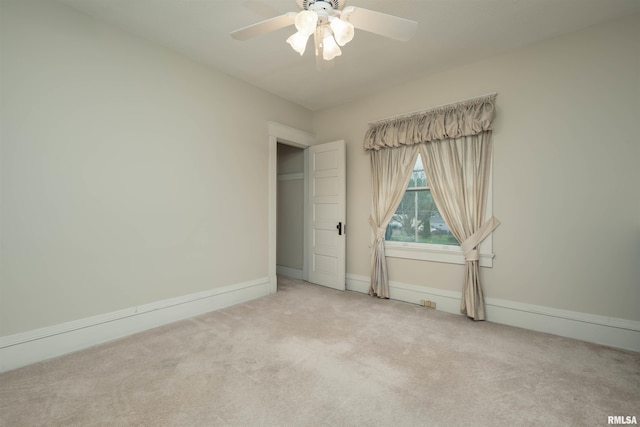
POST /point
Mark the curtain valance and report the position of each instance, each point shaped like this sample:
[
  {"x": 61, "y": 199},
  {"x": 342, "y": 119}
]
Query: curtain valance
[{"x": 452, "y": 121}]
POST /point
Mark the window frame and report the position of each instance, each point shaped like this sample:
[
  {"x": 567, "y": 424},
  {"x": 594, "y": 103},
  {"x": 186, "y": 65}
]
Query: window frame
[{"x": 445, "y": 253}]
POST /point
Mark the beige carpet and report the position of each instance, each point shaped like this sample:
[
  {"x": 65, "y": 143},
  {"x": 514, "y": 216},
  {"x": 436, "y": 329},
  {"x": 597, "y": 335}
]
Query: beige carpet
[{"x": 311, "y": 356}]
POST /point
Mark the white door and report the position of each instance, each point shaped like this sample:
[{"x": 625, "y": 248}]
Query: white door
[{"x": 327, "y": 211}]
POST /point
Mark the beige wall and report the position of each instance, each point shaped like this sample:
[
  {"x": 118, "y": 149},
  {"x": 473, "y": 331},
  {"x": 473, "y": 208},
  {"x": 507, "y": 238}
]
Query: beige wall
[
  {"x": 290, "y": 241},
  {"x": 566, "y": 175},
  {"x": 129, "y": 173}
]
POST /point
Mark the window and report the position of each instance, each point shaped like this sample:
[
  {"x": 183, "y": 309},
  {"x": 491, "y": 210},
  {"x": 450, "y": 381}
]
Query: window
[
  {"x": 417, "y": 219},
  {"x": 417, "y": 230}
]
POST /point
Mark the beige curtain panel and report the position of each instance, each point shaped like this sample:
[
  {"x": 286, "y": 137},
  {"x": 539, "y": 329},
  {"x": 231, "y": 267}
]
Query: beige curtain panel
[
  {"x": 455, "y": 145},
  {"x": 391, "y": 170},
  {"x": 458, "y": 175}
]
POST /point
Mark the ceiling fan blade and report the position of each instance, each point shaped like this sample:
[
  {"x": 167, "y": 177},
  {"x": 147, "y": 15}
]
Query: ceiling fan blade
[
  {"x": 380, "y": 23},
  {"x": 264, "y": 27}
]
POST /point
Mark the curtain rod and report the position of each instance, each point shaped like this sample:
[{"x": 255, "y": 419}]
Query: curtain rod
[{"x": 400, "y": 116}]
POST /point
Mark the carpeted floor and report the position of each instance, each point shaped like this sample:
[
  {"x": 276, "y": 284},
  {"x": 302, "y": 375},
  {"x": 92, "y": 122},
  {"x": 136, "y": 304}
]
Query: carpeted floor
[{"x": 311, "y": 356}]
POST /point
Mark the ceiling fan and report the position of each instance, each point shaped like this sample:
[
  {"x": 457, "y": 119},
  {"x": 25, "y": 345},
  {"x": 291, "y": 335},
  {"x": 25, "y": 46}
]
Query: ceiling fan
[{"x": 332, "y": 25}]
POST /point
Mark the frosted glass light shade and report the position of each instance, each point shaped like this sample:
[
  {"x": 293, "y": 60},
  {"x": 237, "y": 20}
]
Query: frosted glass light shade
[
  {"x": 342, "y": 30},
  {"x": 298, "y": 42},
  {"x": 306, "y": 22},
  {"x": 329, "y": 47}
]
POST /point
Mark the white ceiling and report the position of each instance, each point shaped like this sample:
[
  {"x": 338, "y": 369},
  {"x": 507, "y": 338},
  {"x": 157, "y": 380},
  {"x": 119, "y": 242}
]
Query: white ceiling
[{"x": 450, "y": 33}]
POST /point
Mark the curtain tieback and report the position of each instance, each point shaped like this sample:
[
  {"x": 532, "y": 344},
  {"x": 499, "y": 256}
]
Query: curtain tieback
[
  {"x": 469, "y": 245},
  {"x": 380, "y": 232}
]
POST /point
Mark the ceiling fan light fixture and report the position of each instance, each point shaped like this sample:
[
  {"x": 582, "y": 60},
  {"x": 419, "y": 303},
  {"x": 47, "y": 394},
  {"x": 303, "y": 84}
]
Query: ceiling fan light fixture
[
  {"x": 342, "y": 30},
  {"x": 332, "y": 24},
  {"x": 306, "y": 22},
  {"x": 330, "y": 48},
  {"x": 298, "y": 42}
]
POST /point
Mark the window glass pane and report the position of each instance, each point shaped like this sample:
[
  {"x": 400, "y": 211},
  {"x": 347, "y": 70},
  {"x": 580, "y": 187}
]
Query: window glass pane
[
  {"x": 417, "y": 219},
  {"x": 418, "y": 176}
]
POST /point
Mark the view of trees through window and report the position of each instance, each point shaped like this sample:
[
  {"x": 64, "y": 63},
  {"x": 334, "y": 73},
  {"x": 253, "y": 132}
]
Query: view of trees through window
[{"x": 417, "y": 219}]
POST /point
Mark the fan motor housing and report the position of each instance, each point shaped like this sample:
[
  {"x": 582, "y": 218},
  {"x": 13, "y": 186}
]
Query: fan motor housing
[{"x": 335, "y": 4}]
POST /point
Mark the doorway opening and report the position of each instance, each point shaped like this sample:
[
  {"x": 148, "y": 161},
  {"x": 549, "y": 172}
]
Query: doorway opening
[
  {"x": 281, "y": 135},
  {"x": 321, "y": 243},
  {"x": 290, "y": 211}
]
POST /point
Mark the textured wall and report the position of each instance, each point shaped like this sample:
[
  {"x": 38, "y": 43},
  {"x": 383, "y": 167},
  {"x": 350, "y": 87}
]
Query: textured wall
[
  {"x": 565, "y": 170},
  {"x": 129, "y": 173}
]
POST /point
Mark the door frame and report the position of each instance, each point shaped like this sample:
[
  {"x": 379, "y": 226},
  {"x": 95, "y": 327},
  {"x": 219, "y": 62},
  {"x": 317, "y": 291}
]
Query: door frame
[{"x": 279, "y": 133}]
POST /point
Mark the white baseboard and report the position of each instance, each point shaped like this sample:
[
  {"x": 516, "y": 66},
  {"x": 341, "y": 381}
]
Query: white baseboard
[
  {"x": 294, "y": 273},
  {"x": 37, "y": 345},
  {"x": 34, "y": 346},
  {"x": 614, "y": 332}
]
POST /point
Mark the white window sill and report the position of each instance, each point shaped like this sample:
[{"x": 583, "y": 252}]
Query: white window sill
[{"x": 436, "y": 253}]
